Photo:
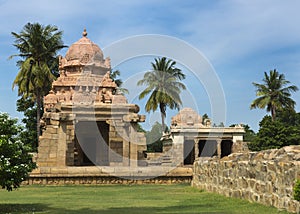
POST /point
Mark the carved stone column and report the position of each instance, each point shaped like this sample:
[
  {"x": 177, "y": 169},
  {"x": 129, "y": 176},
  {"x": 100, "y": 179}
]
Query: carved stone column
[
  {"x": 196, "y": 148},
  {"x": 219, "y": 149}
]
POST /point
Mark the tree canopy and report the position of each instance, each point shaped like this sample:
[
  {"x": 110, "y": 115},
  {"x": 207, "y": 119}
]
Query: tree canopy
[
  {"x": 153, "y": 138},
  {"x": 284, "y": 131}
]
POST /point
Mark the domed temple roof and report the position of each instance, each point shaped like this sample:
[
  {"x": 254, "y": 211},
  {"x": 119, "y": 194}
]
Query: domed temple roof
[
  {"x": 84, "y": 51},
  {"x": 187, "y": 117}
]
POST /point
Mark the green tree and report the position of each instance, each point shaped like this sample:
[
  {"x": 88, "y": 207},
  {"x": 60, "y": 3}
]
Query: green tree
[
  {"x": 274, "y": 135},
  {"x": 38, "y": 46},
  {"x": 274, "y": 94},
  {"x": 164, "y": 84},
  {"x": 153, "y": 138},
  {"x": 15, "y": 161},
  {"x": 289, "y": 117},
  {"x": 28, "y": 107}
]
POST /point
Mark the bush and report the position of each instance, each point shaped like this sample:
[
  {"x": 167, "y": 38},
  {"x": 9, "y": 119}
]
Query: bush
[
  {"x": 274, "y": 135},
  {"x": 297, "y": 190},
  {"x": 15, "y": 161}
]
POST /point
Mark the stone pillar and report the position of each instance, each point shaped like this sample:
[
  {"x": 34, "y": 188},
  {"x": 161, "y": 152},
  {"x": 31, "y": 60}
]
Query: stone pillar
[
  {"x": 126, "y": 152},
  {"x": 196, "y": 148},
  {"x": 133, "y": 154},
  {"x": 126, "y": 147},
  {"x": 178, "y": 150},
  {"x": 219, "y": 150},
  {"x": 70, "y": 140},
  {"x": 61, "y": 145},
  {"x": 133, "y": 144}
]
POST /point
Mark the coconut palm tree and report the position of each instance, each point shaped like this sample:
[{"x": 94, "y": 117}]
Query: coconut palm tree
[
  {"x": 119, "y": 82},
  {"x": 163, "y": 82},
  {"x": 38, "y": 46},
  {"x": 274, "y": 93}
]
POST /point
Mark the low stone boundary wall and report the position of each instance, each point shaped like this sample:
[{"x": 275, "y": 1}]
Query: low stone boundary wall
[
  {"x": 109, "y": 175},
  {"x": 266, "y": 177},
  {"x": 100, "y": 180}
]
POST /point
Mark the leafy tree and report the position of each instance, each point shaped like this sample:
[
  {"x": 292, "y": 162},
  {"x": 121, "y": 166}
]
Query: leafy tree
[
  {"x": 275, "y": 134},
  {"x": 15, "y": 161},
  {"x": 163, "y": 85},
  {"x": 28, "y": 107},
  {"x": 38, "y": 46},
  {"x": 153, "y": 138},
  {"x": 289, "y": 117},
  {"x": 274, "y": 94}
]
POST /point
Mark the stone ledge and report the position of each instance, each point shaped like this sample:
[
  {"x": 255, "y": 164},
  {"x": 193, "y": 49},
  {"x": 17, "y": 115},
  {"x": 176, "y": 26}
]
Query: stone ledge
[{"x": 153, "y": 171}]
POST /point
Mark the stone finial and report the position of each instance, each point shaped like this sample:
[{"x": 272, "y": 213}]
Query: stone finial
[{"x": 84, "y": 32}]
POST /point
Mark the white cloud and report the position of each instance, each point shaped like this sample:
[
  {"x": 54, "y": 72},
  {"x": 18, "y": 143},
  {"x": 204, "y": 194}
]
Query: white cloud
[{"x": 233, "y": 29}]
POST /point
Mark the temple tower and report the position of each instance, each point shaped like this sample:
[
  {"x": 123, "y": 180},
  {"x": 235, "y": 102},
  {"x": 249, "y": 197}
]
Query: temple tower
[{"x": 86, "y": 122}]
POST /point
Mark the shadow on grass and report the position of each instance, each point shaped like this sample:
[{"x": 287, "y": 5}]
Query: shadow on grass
[
  {"x": 23, "y": 208},
  {"x": 42, "y": 208}
]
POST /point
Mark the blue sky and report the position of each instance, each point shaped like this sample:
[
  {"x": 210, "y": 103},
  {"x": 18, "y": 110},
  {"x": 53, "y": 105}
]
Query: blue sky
[{"x": 241, "y": 39}]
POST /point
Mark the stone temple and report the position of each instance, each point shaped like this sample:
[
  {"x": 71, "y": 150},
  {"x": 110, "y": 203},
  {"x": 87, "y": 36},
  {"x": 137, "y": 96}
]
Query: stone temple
[
  {"x": 90, "y": 131},
  {"x": 86, "y": 121}
]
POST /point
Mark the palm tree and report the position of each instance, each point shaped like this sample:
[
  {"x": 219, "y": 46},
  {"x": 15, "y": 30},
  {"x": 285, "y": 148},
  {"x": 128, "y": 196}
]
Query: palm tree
[
  {"x": 38, "y": 46},
  {"x": 119, "y": 82},
  {"x": 163, "y": 82},
  {"x": 274, "y": 93}
]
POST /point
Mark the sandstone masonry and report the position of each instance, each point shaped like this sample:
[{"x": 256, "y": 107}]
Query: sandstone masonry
[{"x": 266, "y": 177}]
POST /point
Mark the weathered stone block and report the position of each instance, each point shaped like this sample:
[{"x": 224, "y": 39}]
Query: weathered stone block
[{"x": 54, "y": 122}]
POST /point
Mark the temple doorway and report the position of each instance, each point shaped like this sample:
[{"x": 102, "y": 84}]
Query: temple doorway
[
  {"x": 91, "y": 144},
  {"x": 189, "y": 152},
  {"x": 207, "y": 148},
  {"x": 226, "y": 147}
]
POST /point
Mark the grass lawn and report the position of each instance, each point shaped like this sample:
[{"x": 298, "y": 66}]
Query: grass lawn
[{"x": 122, "y": 199}]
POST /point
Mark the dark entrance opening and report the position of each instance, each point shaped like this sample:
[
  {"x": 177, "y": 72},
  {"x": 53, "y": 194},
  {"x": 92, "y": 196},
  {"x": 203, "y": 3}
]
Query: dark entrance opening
[
  {"x": 207, "y": 148},
  {"x": 226, "y": 147},
  {"x": 189, "y": 152},
  {"x": 91, "y": 143}
]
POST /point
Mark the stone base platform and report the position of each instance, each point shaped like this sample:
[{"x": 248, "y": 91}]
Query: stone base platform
[{"x": 94, "y": 175}]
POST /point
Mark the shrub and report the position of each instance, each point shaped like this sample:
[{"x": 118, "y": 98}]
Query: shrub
[
  {"x": 15, "y": 161},
  {"x": 297, "y": 190}
]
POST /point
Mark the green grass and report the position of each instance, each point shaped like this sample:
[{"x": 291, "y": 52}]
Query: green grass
[{"x": 123, "y": 199}]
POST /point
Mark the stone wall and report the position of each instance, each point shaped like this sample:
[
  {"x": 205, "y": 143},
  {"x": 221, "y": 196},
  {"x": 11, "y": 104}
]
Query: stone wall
[
  {"x": 266, "y": 177},
  {"x": 100, "y": 180}
]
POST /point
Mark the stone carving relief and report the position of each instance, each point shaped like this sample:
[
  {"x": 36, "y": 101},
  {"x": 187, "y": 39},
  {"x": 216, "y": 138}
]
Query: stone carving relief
[{"x": 50, "y": 100}]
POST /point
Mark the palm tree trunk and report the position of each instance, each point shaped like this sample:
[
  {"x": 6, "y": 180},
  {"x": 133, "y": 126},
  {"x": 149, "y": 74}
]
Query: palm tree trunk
[
  {"x": 162, "y": 108},
  {"x": 38, "y": 116}
]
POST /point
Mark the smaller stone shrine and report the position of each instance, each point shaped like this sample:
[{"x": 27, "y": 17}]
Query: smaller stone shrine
[
  {"x": 195, "y": 138},
  {"x": 86, "y": 122},
  {"x": 191, "y": 137}
]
